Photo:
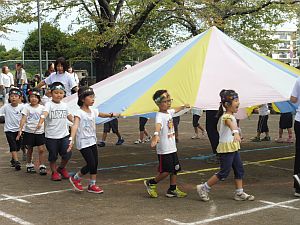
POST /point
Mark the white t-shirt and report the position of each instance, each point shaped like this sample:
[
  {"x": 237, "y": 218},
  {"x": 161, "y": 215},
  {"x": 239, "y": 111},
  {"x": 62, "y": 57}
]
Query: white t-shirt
[
  {"x": 12, "y": 116},
  {"x": 86, "y": 133},
  {"x": 263, "y": 110},
  {"x": 75, "y": 76},
  {"x": 6, "y": 79},
  {"x": 56, "y": 125},
  {"x": 65, "y": 78},
  {"x": 167, "y": 133},
  {"x": 33, "y": 115},
  {"x": 296, "y": 94},
  {"x": 21, "y": 75}
]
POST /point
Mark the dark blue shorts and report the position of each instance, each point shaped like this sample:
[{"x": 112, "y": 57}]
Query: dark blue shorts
[
  {"x": 58, "y": 146},
  {"x": 32, "y": 140},
  {"x": 228, "y": 161},
  {"x": 111, "y": 125}
]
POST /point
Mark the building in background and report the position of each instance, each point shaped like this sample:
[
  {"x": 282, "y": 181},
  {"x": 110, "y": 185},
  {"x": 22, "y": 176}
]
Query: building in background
[{"x": 288, "y": 49}]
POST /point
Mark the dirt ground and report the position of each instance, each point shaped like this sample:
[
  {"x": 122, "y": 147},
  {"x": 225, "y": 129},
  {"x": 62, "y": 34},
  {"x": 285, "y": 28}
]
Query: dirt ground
[{"x": 33, "y": 199}]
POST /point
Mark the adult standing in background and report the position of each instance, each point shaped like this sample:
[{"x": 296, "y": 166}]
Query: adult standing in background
[
  {"x": 21, "y": 77},
  {"x": 61, "y": 75},
  {"x": 6, "y": 80},
  {"x": 295, "y": 97},
  {"x": 73, "y": 75}
]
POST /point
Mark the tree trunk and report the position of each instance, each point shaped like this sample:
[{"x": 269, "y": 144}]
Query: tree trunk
[{"x": 105, "y": 61}]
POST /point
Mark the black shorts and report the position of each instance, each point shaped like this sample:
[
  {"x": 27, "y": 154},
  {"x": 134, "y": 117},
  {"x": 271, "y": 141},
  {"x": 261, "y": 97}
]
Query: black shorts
[
  {"x": 286, "y": 120},
  {"x": 196, "y": 120},
  {"x": 14, "y": 145},
  {"x": 111, "y": 125},
  {"x": 142, "y": 123},
  {"x": 32, "y": 140},
  {"x": 169, "y": 163},
  {"x": 58, "y": 146},
  {"x": 262, "y": 125}
]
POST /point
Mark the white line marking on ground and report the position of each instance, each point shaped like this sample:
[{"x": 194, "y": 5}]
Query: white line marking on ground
[
  {"x": 279, "y": 205},
  {"x": 228, "y": 216},
  {"x": 14, "y": 218},
  {"x": 32, "y": 195},
  {"x": 19, "y": 200}
]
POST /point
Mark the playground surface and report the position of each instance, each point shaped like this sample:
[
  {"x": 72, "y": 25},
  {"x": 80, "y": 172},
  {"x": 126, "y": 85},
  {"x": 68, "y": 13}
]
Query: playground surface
[{"x": 34, "y": 199}]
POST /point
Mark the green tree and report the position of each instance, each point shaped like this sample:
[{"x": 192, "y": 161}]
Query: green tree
[
  {"x": 112, "y": 24},
  {"x": 53, "y": 40}
]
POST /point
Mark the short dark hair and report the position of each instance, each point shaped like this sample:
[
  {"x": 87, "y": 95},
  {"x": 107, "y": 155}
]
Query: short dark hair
[
  {"x": 84, "y": 92},
  {"x": 62, "y": 61},
  {"x": 20, "y": 64},
  {"x": 3, "y": 68},
  {"x": 158, "y": 94},
  {"x": 56, "y": 84}
]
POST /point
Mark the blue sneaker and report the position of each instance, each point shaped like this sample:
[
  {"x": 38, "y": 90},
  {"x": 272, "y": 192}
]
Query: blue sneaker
[
  {"x": 120, "y": 141},
  {"x": 101, "y": 144}
]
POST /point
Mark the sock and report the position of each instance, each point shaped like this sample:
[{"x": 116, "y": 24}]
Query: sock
[
  {"x": 76, "y": 176},
  {"x": 172, "y": 187},
  {"x": 92, "y": 182},
  {"x": 239, "y": 190},
  {"x": 152, "y": 181},
  {"x": 207, "y": 187}
]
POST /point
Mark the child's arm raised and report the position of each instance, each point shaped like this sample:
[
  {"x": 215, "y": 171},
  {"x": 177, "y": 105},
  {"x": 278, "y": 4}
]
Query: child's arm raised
[
  {"x": 181, "y": 107},
  {"x": 108, "y": 115},
  {"x": 22, "y": 122},
  {"x": 73, "y": 132},
  {"x": 155, "y": 138},
  {"x": 234, "y": 130}
]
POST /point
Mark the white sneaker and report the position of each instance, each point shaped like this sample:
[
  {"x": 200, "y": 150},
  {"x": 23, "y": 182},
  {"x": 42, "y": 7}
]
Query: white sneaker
[
  {"x": 296, "y": 178},
  {"x": 243, "y": 197},
  {"x": 204, "y": 132},
  {"x": 296, "y": 194},
  {"x": 138, "y": 141},
  {"x": 196, "y": 136},
  {"x": 148, "y": 138},
  {"x": 203, "y": 194}
]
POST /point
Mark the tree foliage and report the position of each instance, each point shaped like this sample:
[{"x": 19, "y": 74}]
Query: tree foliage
[{"x": 113, "y": 25}]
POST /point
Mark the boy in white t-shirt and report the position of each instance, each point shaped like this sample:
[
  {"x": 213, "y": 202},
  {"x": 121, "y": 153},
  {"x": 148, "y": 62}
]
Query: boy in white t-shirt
[
  {"x": 12, "y": 113},
  {"x": 164, "y": 140},
  {"x": 56, "y": 118}
]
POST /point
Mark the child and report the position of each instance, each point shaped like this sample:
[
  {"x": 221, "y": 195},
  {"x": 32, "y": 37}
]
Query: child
[
  {"x": 12, "y": 113},
  {"x": 164, "y": 140},
  {"x": 285, "y": 122},
  {"x": 143, "y": 131},
  {"x": 30, "y": 116},
  {"x": 55, "y": 116},
  {"x": 85, "y": 129},
  {"x": 61, "y": 75},
  {"x": 228, "y": 147},
  {"x": 111, "y": 125},
  {"x": 262, "y": 125},
  {"x": 197, "y": 113}
]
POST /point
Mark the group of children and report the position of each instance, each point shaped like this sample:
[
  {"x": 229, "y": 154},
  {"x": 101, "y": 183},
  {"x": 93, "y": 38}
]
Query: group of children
[{"x": 37, "y": 125}]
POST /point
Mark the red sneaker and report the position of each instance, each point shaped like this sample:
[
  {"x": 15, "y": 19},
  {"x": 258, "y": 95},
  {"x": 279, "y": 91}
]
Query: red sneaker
[
  {"x": 64, "y": 173},
  {"x": 94, "y": 189},
  {"x": 76, "y": 184},
  {"x": 55, "y": 176}
]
